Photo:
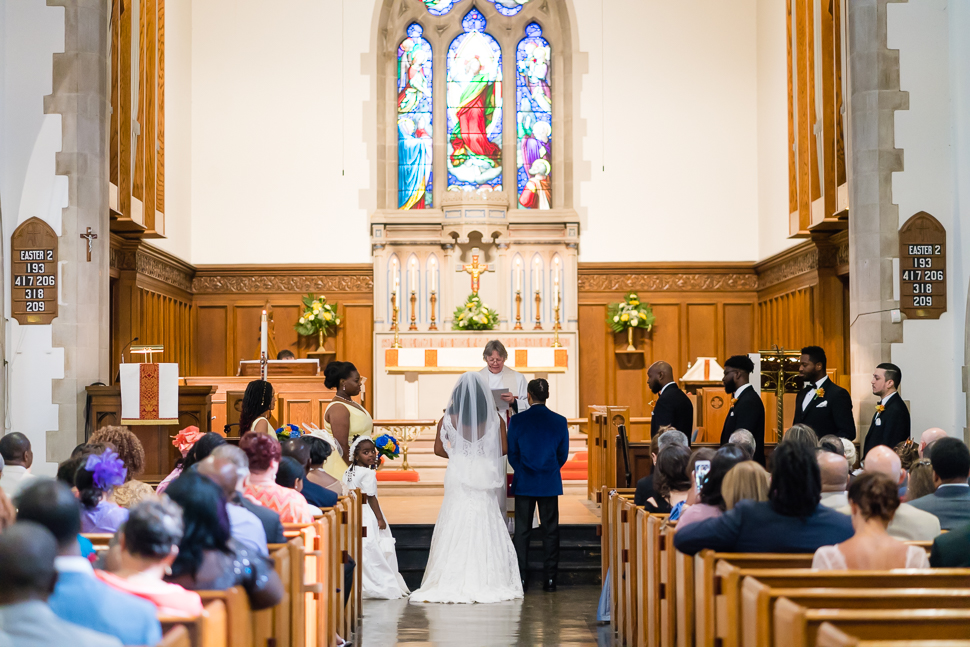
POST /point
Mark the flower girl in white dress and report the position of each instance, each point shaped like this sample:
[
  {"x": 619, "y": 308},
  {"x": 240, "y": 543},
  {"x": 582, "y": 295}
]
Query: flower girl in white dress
[{"x": 379, "y": 573}]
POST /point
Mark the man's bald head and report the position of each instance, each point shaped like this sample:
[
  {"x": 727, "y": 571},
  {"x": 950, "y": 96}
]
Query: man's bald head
[
  {"x": 930, "y": 435},
  {"x": 27, "y": 552},
  {"x": 297, "y": 449},
  {"x": 659, "y": 375},
  {"x": 885, "y": 461},
  {"x": 835, "y": 471},
  {"x": 15, "y": 449},
  {"x": 220, "y": 470}
]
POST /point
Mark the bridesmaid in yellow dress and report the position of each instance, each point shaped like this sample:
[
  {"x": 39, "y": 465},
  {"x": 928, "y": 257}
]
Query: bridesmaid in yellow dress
[{"x": 344, "y": 418}]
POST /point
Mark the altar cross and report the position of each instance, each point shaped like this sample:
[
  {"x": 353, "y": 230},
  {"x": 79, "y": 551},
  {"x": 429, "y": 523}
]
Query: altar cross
[
  {"x": 91, "y": 237},
  {"x": 476, "y": 269}
]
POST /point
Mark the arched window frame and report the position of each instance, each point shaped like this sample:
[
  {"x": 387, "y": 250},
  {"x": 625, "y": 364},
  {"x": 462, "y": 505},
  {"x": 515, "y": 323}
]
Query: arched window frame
[{"x": 440, "y": 31}]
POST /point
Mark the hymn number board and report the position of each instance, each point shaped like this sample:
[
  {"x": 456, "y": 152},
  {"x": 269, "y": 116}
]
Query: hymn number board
[
  {"x": 922, "y": 264},
  {"x": 33, "y": 250}
]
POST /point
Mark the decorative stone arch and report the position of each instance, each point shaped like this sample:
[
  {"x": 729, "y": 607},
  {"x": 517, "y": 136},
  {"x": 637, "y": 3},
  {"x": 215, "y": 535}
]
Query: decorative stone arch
[{"x": 554, "y": 18}]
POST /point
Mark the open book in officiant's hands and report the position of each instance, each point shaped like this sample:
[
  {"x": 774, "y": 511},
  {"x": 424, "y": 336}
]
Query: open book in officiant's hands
[{"x": 500, "y": 402}]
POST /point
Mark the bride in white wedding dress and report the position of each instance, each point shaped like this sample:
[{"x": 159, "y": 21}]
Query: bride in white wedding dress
[{"x": 472, "y": 558}]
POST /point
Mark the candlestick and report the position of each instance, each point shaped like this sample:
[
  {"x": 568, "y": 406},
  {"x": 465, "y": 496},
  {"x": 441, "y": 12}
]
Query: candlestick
[
  {"x": 518, "y": 274},
  {"x": 263, "y": 324},
  {"x": 518, "y": 310},
  {"x": 396, "y": 278},
  {"x": 397, "y": 339},
  {"x": 538, "y": 311},
  {"x": 414, "y": 275},
  {"x": 555, "y": 326},
  {"x": 434, "y": 299},
  {"x": 432, "y": 271},
  {"x": 414, "y": 303}
]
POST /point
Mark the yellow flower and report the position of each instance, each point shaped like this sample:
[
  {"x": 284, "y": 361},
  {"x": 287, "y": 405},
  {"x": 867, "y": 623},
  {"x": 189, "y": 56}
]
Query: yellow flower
[
  {"x": 820, "y": 393},
  {"x": 624, "y": 317},
  {"x": 634, "y": 303},
  {"x": 880, "y": 408},
  {"x": 316, "y": 304},
  {"x": 327, "y": 316}
]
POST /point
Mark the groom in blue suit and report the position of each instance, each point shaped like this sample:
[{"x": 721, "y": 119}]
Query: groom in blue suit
[{"x": 538, "y": 442}]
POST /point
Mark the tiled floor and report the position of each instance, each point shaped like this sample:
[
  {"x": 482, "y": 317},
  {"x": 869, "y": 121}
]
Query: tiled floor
[{"x": 566, "y": 618}]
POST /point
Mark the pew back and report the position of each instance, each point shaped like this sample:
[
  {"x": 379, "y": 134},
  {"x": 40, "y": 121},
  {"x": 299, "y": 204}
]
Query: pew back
[
  {"x": 177, "y": 636},
  {"x": 831, "y": 636},
  {"x": 237, "y": 613}
]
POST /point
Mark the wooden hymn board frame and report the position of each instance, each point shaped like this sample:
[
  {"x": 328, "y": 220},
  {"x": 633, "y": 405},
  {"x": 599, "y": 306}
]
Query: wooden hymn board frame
[
  {"x": 922, "y": 267},
  {"x": 33, "y": 276}
]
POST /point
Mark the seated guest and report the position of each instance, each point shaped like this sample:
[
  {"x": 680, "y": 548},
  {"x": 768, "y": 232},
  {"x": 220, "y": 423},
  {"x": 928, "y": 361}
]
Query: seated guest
[
  {"x": 801, "y": 434},
  {"x": 908, "y": 453},
  {"x": 202, "y": 448},
  {"x": 909, "y": 523},
  {"x": 671, "y": 482},
  {"x": 952, "y": 549},
  {"x": 835, "y": 479},
  {"x": 791, "y": 521},
  {"x": 291, "y": 475},
  {"x": 264, "y": 455},
  {"x": 183, "y": 442},
  {"x": 208, "y": 558},
  {"x": 299, "y": 450},
  {"x": 132, "y": 454},
  {"x": 702, "y": 454},
  {"x": 832, "y": 443},
  {"x": 919, "y": 482},
  {"x": 246, "y": 527},
  {"x": 929, "y": 437},
  {"x": 745, "y": 440},
  {"x": 8, "y": 514},
  {"x": 851, "y": 455},
  {"x": 27, "y": 579},
  {"x": 285, "y": 355},
  {"x": 950, "y": 460},
  {"x": 645, "y": 486},
  {"x": 96, "y": 481},
  {"x": 272, "y": 525},
  {"x": 745, "y": 481},
  {"x": 320, "y": 451},
  {"x": 873, "y": 499},
  {"x": 147, "y": 547},
  {"x": 17, "y": 459},
  {"x": 78, "y": 596},
  {"x": 65, "y": 474},
  {"x": 710, "y": 503}
]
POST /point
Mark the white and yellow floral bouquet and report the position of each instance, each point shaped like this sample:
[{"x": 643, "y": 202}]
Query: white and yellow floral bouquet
[
  {"x": 319, "y": 317},
  {"x": 630, "y": 313},
  {"x": 474, "y": 315}
]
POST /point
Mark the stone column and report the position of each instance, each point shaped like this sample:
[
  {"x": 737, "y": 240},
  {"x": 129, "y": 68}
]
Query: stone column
[
  {"x": 874, "y": 96},
  {"x": 82, "y": 328}
]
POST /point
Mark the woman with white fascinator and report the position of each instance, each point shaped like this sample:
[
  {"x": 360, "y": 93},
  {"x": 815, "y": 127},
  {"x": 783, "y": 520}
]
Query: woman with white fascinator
[{"x": 472, "y": 557}]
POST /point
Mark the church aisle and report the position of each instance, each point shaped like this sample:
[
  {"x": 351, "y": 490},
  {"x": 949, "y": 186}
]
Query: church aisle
[{"x": 566, "y": 618}]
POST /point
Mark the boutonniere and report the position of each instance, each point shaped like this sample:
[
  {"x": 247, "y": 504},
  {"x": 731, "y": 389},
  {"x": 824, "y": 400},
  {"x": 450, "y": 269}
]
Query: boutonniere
[
  {"x": 734, "y": 401},
  {"x": 880, "y": 408},
  {"x": 820, "y": 393}
]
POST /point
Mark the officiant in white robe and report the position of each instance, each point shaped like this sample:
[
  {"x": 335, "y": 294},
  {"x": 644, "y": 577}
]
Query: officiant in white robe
[{"x": 499, "y": 377}]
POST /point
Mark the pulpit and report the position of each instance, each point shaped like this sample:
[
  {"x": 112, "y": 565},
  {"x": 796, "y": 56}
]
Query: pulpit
[{"x": 194, "y": 409}]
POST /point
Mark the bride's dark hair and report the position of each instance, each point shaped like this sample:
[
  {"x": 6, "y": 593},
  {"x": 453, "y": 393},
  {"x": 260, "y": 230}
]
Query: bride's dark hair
[{"x": 480, "y": 406}]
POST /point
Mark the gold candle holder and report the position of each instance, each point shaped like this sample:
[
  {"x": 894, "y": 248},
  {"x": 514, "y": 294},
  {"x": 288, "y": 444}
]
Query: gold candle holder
[
  {"x": 394, "y": 312},
  {"x": 538, "y": 311},
  {"x": 555, "y": 326},
  {"x": 414, "y": 303},
  {"x": 434, "y": 300},
  {"x": 518, "y": 310}
]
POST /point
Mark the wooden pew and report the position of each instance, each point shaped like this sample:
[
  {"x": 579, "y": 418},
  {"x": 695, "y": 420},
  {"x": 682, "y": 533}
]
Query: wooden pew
[
  {"x": 617, "y": 506},
  {"x": 831, "y": 636},
  {"x": 238, "y": 621},
  {"x": 797, "y": 626},
  {"x": 683, "y": 597},
  {"x": 177, "y": 636},
  {"x": 211, "y": 629},
  {"x": 654, "y": 581},
  {"x": 758, "y": 601},
  {"x": 714, "y": 597},
  {"x": 100, "y": 540},
  {"x": 272, "y": 626},
  {"x": 315, "y": 540}
]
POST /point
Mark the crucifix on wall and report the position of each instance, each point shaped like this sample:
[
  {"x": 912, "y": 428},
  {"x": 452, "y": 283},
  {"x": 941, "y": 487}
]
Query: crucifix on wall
[
  {"x": 91, "y": 237},
  {"x": 476, "y": 269}
]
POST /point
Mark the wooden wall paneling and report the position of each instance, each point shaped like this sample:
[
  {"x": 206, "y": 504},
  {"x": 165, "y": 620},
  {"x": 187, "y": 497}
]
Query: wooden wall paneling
[
  {"x": 799, "y": 226},
  {"x": 666, "y": 336},
  {"x": 594, "y": 350},
  {"x": 355, "y": 342},
  {"x": 148, "y": 140},
  {"x": 792, "y": 126},
  {"x": 245, "y": 324},
  {"x": 739, "y": 329},
  {"x": 113, "y": 130},
  {"x": 124, "y": 114},
  {"x": 160, "y": 108},
  {"x": 702, "y": 324},
  {"x": 825, "y": 39}
]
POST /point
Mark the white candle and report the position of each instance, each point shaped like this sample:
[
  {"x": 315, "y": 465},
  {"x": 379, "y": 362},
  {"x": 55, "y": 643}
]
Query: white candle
[
  {"x": 397, "y": 278},
  {"x": 263, "y": 324},
  {"x": 538, "y": 277},
  {"x": 518, "y": 274},
  {"x": 432, "y": 270},
  {"x": 414, "y": 275}
]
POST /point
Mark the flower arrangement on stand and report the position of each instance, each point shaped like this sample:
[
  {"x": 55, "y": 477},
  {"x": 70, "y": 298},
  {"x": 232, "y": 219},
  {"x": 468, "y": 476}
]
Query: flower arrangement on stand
[
  {"x": 474, "y": 315},
  {"x": 319, "y": 318},
  {"x": 629, "y": 314}
]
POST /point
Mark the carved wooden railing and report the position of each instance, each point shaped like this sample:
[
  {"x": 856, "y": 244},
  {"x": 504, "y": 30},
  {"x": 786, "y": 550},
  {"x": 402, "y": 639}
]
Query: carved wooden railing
[{"x": 406, "y": 431}]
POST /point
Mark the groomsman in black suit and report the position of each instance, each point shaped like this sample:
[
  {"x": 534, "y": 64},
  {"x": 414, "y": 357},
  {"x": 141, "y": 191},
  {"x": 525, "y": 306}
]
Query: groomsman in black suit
[
  {"x": 673, "y": 407},
  {"x": 890, "y": 422},
  {"x": 823, "y": 405},
  {"x": 747, "y": 409}
]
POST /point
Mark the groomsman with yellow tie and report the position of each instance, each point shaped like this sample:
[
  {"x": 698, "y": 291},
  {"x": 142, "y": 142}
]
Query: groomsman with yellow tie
[
  {"x": 823, "y": 405},
  {"x": 890, "y": 423}
]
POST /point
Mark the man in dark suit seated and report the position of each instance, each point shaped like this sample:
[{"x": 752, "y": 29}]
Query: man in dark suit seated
[
  {"x": 645, "y": 485},
  {"x": 792, "y": 520},
  {"x": 951, "y": 468},
  {"x": 672, "y": 408},
  {"x": 270, "y": 520},
  {"x": 890, "y": 423},
  {"x": 538, "y": 442},
  {"x": 747, "y": 409},
  {"x": 823, "y": 405}
]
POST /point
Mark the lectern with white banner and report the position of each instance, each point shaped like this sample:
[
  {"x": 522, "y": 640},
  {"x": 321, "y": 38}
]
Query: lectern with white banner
[{"x": 149, "y": 391}]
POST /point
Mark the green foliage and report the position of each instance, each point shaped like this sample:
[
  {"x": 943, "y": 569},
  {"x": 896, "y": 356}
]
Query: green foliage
[
  {"x": 318, "y": 315},
  {"x": 629, "y": 313},
  {"x": 474, "y": 315}
]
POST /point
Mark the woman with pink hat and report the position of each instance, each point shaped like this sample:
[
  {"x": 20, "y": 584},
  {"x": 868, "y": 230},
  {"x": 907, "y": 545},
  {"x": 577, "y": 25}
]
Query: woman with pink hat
[{"x": 184, "y": 442}]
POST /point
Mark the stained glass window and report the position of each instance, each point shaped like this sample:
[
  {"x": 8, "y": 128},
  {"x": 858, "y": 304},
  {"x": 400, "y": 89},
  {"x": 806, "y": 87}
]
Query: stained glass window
[
  {"x": 414, "y": 144},
  {"x": 439, "y": 7},
  {"x": 533, "y": 95},
  {"x": 474, "y": 90},
  {"x": 509, "y": 7}
]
